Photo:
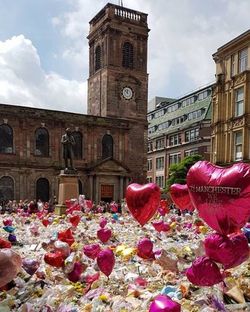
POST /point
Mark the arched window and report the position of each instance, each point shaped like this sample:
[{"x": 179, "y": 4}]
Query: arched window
[
  {"x": 80, "y": 187},
  {"x": 77, "y": 148},
  {"x": 97, "y": 57},
  {"x": 42, "y": 189},
  {"x": 127, "y": 55},
  {"x": 6, "y": 188},
  {"x": 6, "y": 139},
  {"x": 107, "y": 146},
  {"x": 42, "y": 142}
]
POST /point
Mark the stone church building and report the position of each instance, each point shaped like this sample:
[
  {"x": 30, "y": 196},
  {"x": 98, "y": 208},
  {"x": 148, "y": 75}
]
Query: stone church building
[{"x": 110, "y": 149}]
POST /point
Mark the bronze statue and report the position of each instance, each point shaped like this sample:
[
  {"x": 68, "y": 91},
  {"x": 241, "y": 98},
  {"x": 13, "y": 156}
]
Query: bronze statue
[{"x": 68, "y": 142}]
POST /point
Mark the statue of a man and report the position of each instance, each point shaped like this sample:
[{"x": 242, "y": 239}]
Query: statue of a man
[{"x": 67, "y": 142}]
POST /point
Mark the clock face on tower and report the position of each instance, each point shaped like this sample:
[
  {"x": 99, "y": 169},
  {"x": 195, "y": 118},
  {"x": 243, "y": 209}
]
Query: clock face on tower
[{"x": 127, "y": 93}]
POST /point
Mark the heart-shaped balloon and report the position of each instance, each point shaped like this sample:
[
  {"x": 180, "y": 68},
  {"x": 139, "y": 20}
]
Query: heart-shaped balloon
[
  {"x": 164, "y": 303},
  {"x": 104, "y": 234},
  {"x": 66, "y": 236},
  {"x": 10, "y": 265},
  {"x": 75, "y": 275},
  {"x": 74, "y": 220},
  {"x": 106, "y": 261},
  {"x": 63, "y": 248},
  {"x": 143, "y": 201},
  {"x": 180, "y": 196},
  {"x": 7, "y": 222},
  {"x": 103, "y": 222},
  {"x": 30, "y": 265},
  {"x": 161, "y": 226},
  {"x": 45, "y": 222},
  {"x": 204, "y": 272},
  {"x": 54, "y": 259},
  {"x": 221, "y": 195},
  {"x": 145, "y": 248},
  {"x": 4, "y": 243},
  {"x": 92, "y": 250},
  {"x": 229, "y": 251}
]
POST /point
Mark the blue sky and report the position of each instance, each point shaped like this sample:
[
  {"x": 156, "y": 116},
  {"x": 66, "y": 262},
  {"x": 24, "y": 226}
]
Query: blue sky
[{"x": 44, "y": 50}]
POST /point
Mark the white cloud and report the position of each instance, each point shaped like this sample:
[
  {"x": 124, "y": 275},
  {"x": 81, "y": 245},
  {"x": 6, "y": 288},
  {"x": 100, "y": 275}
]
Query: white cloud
[
  {"x": 24, "y": 82},
  {"x": 184, "y": 35}
]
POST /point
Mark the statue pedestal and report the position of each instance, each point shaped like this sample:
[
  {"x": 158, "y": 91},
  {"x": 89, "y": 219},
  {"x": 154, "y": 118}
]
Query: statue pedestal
[{"x": 68, "y": 189}]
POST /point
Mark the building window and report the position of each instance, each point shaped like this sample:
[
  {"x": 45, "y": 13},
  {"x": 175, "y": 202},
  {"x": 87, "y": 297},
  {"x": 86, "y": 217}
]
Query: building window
[
  {"x": 77, "y": 148},
  {"x": 174, "y": 158},
  {"x": 160, "y": 181},
  {"x": 107, "y": 146},
  {"x": 150, "y": 117},
  {"x": 159, "y": 163},
  {"x": 177, "y": 121},
  {"x": 150, "y": 146},
  {"x": 42, "y": 142},
  {"x": 164, "y": 125},
  {"x": 202, "y": 95},
  {"x": 97, "y": 57},
  {"x": 191, "y": 152},
  {"x": 159, "y": 144},
  {"x": 150, "y": 163},
  {"x": 192, "y": 135},
  {"x": 6, "y": 188},
  {"x": 232, "y": 65},
  {"x": 42, "y": 189},
  {"x": 149, "y": 179},
  {"x": 188, "y": 101},
  {"x": 173, "y": 108},
  {"x": 6, "y": 139},
  {"x": 238, "y": 146},
  {"x": 242, "y": 60},
  {"x": 127, "y": 55},
  {"x": 239, "y": 102},
  {"x": 174, "y": 139},
  {"x": 159, "y": 113}
]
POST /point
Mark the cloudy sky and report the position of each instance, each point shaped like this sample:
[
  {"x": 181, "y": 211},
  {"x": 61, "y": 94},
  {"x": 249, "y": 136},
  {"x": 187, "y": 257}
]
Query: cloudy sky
[{"x": 44, "y": 50}]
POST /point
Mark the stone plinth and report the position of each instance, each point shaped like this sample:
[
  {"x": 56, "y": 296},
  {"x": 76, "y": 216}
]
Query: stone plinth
[{"x": 68, "y": 189}]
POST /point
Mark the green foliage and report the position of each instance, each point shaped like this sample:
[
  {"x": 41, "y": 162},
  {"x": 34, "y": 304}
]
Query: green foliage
[{"x": 178, "y": 172}]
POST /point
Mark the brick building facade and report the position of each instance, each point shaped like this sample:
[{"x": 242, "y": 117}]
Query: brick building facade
[
  {"x": 178, "y": 128},
  {"x": 110, "y": 145}
]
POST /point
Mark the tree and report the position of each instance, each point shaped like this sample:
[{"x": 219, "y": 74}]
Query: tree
[{"x": 178, "y": 172}]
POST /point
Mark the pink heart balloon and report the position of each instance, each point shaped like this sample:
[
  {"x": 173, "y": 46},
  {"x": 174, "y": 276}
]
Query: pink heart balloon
[
  {"x": 145, "y": 248},
  {"x": 104, "y": 234},
  {"x": 180, "y": 196},
  {"x": 229, "y": 251},
  {"x": 161, "y": 226},
  {"x": 92, "y": 250},
  {"x": 10, "y": 265},
  {"x": 164, "y": 303},
  {"x": 106, "y": 261},
  {"x": 204, "y": 272},
  {"x": 103, "y": 222},
  {"x": 143, "y": 201},
  {"x": 221, "y": 195}
]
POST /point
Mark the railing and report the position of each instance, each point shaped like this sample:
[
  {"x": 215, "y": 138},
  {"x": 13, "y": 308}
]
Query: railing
[{"x": 127, "y": 14}]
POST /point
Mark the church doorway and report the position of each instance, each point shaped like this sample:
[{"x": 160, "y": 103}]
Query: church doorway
[
  {"x": 107, "y": 192},
  {"x": 6, "y": 188},
  {"x": 42, "y": 189}
]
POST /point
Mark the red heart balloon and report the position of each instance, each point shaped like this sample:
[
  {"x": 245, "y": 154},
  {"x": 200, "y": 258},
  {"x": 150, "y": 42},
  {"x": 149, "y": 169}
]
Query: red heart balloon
[
  {"x": 180, "y": 196},
  {"x": 92, "y": 250},
  {"x": 229, "y": 251},
  {"x": 54, "y": 259},
  {"x": 106, "y": 261},
  {"x": 66, "y": 236},
  {"x": 104, "y": 234},
  {"x": 75, "y": 275},
  {"x": 161, "y": 226},
  {"x": 74, "y": 220},
  {"x": 143, "y": 201},
  {"x": 7, "y": 222},
  {"x": 4, "y": 243},
  {"x": 221, "y": 195},
  {"x": 145, "y": 248},
  {"x": 103, "y": 222},
  {"x": 204, "y": 272},
  {"x": 45, "y": 222}
]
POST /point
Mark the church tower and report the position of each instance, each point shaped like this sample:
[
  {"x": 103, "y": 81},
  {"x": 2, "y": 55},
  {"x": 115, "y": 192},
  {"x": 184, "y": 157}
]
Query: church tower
[{"x": 118, "y": 79}]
